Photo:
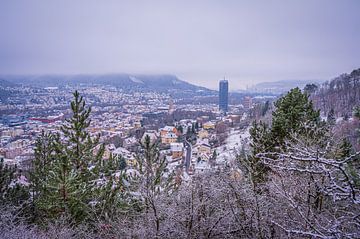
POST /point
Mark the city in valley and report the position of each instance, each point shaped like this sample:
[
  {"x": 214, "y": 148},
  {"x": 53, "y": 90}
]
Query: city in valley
[
  {"x": 197, "y": 130},
  {"x": 179, "y": 119}
]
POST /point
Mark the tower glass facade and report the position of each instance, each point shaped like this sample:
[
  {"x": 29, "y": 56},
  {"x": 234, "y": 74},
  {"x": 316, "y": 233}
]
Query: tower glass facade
[{"x": 223, "y": 95}]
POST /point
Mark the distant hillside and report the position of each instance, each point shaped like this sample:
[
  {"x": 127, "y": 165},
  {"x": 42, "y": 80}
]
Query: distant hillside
[
  {"x": 280, "y": 87},
  {"x": 341, "y": 94},
  {"x": 159, "y": 83},
  {"x": 5, "y": 83},
  {"x": 5, "y": 92}
]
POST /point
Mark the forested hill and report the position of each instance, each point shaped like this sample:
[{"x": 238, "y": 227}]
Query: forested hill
[
  {"x": 157, "y": 83},
  {"x": 341, "y": 94}
]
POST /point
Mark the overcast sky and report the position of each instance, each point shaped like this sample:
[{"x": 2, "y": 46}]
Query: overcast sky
[{"x": 199, "y": 41}]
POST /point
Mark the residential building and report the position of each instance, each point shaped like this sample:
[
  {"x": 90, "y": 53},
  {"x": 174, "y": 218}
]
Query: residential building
[
  {"x": 126, "y": 154},
  {"x": 204, "y": 149},
  {"x": 168, "y": 129},
  {"x": 176, "y": 150},
  {"x": 203, "y": 134},
  {"x": 247, "y": 102},
  {"x": 209, "y": 125},
  {"x": 169, "y": 138},
  {"x": 152, "y": 134}
]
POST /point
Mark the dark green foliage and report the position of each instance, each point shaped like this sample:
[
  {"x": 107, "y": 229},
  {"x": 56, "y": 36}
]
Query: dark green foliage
[
  {"x": 331, "y": 120},
  {"x": 7, "y": 175},
  {"x": 180, "y": 129},
  {"x": 11, "y": 192},
  {"x": 70, "y": 176},
  {"x": 294, "y": 117},
  {"x": 78, "y": 143},
  {"x": 310, "y": 88},
  {"x": 197, "y": 125},
  {"x": 214, "y": 155},
  {"x": 68, "y": 181},
  {"x": 261, "y": 137},
  {"x": 116, "y": 140},
  {"x": 188, "y": 133},
  {"x": 151, "y": 165},
  {"x": 356, "y": 114},
  {"x": 345, "y": 149},
  {"x": 111, "y": 196},
  {"x": 42, "y": 164},
  {"x": 265, "y": 108},
  {"x": 293, "y": 112},
  {"x": 122, "y": 164},
  {"x": 261, "y": 142},
  {"x": 355, "y": 73}
]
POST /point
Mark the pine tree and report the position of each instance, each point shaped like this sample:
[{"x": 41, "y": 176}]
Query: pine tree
[
  {"x": 67, "y": 194},
  {"x": 180, "y": 129},
  {"x": 188, "y": 132},
  {"x": 152, "y": 166},
  {"x": 79, "y": 146},
  {"x": 112, "y": 196},
  {"x": 265, "y": 108},
  {"x": 122, "y": 164},
  {"x": 294, "y": 116},
  {"x": 44, "y": 157},
  {"x": 70, "y": 176},
  {"x": 260, "y": 142},
  {"x": 214, "y": 155},
  {"x": 345, "y": 149},
  {"x": 331, "y": 120},
  {"x": 153, "y": 178},
  {"x": 356, "y": 114},
  {"x": 73, "y": 169},
  {"x": 293, "y": 113},
  {"x": 310, "y": 88},
  {"x": 7, "y": 175},
  {"x": 197, "y": 125},
  {"x": 11, "y": 193}
]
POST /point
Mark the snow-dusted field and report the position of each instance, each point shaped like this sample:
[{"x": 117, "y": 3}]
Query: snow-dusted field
[{"x": 228, "y": 151}]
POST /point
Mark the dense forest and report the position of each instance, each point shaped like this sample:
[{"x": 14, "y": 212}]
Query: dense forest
[
  {"x": 298, "y": 181},
  {"x": 341, "y": 94}
]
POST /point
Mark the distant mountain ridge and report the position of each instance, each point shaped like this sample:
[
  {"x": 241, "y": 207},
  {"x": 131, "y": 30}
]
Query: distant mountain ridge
[
  {"x": 160, "y": 83},
  {"x": 5, "y": 83},
  {"x": 279, "y": 87},
  {"x": 5, "y": 89}
]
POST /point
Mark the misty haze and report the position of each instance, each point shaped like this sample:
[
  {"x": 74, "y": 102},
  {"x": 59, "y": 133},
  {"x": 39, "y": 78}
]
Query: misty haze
[{"x": 179, "y": 119}]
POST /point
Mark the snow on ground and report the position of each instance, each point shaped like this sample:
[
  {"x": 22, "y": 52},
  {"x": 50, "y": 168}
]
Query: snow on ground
[
  {"x": 244, "y": 116},
  {"x": 136, "y": 80},
  {"x": 229, "y": 150}
]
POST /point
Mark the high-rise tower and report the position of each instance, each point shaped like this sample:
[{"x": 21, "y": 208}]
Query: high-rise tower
[{"x": 223, "y": 95}]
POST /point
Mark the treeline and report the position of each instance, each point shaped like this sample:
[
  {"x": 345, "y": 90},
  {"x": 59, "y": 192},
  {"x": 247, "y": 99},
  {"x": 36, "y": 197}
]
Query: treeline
[
  {"x": 341, "y": 94},
  {"x": 298, "y": 181}
]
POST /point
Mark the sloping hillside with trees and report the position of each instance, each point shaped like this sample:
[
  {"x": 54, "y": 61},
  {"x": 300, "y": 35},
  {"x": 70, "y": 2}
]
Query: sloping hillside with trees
[
  {"x": 341, "y": 94},
  {"x": 296, "y": 182}
]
